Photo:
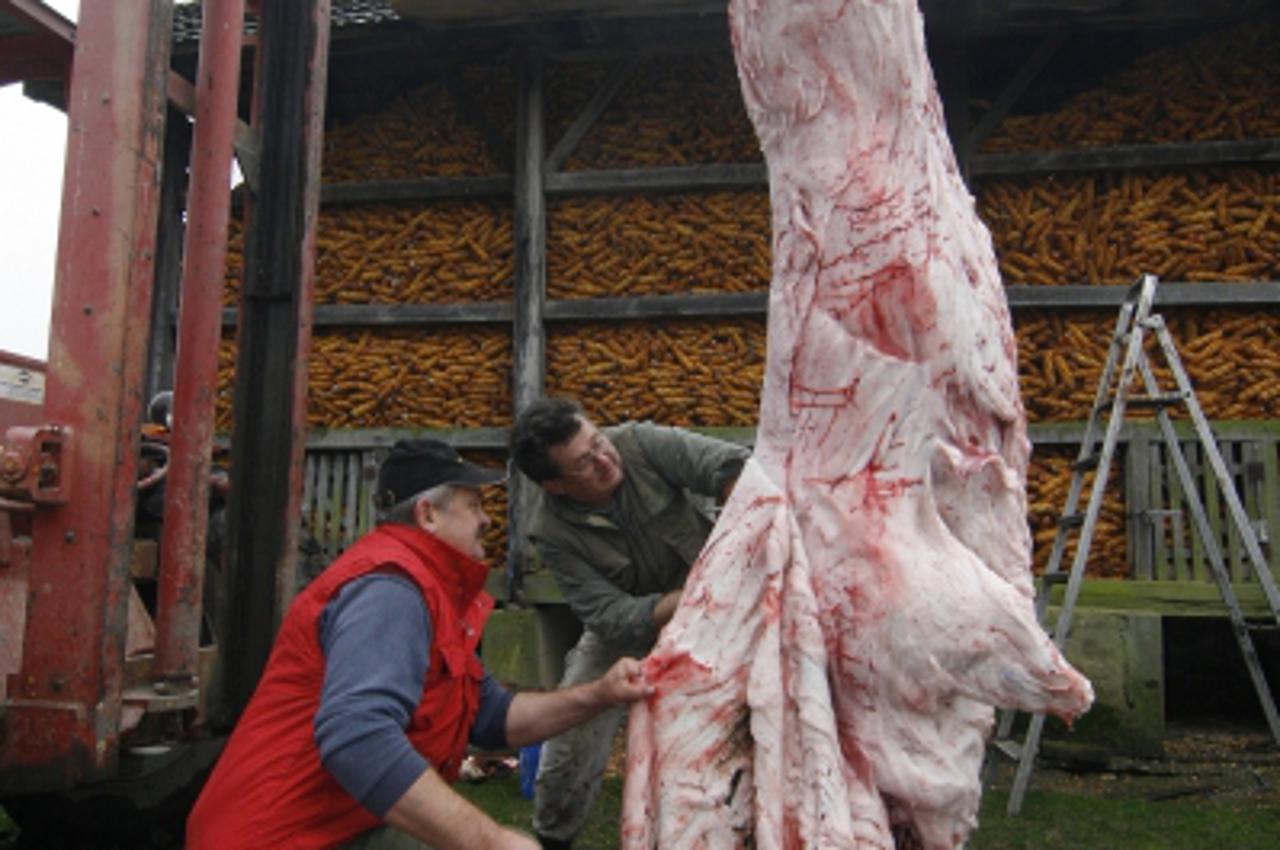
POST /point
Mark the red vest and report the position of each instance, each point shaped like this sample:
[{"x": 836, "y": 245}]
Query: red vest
[{"x": 269, "y": 789}]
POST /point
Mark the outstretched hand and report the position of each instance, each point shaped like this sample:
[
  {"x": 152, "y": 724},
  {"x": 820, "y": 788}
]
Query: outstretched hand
[{"x": 624, "y": 683}]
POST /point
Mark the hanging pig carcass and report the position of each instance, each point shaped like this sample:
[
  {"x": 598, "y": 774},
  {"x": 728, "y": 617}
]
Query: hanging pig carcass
[{"x": 866, "y": 598}]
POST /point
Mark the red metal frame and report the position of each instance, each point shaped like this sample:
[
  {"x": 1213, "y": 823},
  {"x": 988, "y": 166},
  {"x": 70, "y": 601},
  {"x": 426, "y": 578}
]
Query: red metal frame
[
  {"x": 67, "y": 497},
  {"x": 44, "y": 53},
  {"x": 313, "y": 144},
  {"x": 182, "y": 543},
  {"x": 63, "y": 708}
]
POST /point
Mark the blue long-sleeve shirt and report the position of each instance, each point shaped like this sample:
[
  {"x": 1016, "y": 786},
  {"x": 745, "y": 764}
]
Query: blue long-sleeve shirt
[{"x": 376, "y": 634}]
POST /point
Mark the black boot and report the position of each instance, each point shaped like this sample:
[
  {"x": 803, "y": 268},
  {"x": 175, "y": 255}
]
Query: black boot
[{"x": 554, "y": 843}]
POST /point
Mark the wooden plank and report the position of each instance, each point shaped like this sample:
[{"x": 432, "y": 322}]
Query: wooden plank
[
  {"x": 1144, "y": 530},
  {"x": 1058, "y": 433},
  {"x": 1271, "y": 499},
  {"x": 529, "y": 327},
  {"x": 426, "y": 189},
  {"x": 369, "y": 472},
  {"x": 1199, "y": 559},
  {"x": 752, "y": 304},
  {"x": 1041, "y": 434},
  {"x": 1170, "y": 598},
  {"x": 309, "y": 494},
  {"x": 1251, "y": 493},
  {"x": 336, "y": 491},
  {"x": 590, "y": 115},
  {"x": 659, "y": 307},
  {"x": 1181, "y": 562},
  {"x": 676, "y": 178},
  {"x": 351, "y": 501},
  {"x": 413, "y": 314},
  {"x": 1229, "y": 537},
  {"x": 1171, "y": 294},
  {"x": 1128, "y": 157},
  {"x": 1237, "y": 558},
  {"x": 1213, "y": 506},
  {"x": 373, "y": 439},
  {"x": 531, "y": 239},
  {"x": 320, "y": 510}
]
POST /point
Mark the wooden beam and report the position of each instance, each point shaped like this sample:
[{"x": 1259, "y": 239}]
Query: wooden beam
[
  {"x": 659, "y": 307},
  {"x": 274, "y": 338},
  {"x": 413, "y": 314},
  {"x": 1027, "y": 74},
  {"x": 1050, "y": 433},
  {"x": 1169, "y": 598},
  {"x": 694, "y": 178},
  {"x": 1082, "y": 296},
  {"x": 426, "y": 189},
  {"x": 529, "y": 329},
  {"x": 590, "y": 114},
  {"x": 1126, "y": 157},
  {"x": 679, "y": 178},
  {"x": 360, "y": 439},
  {"x": 1172, "y": 294},
  {"x": 182, "y": 95}
]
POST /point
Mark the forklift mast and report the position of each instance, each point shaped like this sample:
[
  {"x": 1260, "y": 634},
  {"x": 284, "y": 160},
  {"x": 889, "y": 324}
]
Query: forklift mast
[{"x": 88, "y": 669}]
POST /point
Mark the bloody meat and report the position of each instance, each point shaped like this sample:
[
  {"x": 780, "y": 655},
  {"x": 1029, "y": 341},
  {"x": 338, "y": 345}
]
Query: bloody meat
[{"x": 866, "y": 598}]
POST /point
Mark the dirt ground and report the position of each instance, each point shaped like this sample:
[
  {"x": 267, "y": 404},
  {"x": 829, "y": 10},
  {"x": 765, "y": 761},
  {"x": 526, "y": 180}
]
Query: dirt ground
[
  {"x": 1207, "y": 758},
  {"x": 1215, "y": 760}
]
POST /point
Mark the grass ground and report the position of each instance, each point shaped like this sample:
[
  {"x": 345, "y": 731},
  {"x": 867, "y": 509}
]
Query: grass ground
[{"x": 1219, "y": 792}]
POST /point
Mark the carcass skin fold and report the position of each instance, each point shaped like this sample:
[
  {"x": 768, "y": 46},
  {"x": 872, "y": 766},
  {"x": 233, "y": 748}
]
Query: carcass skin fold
[{"x": 865, "y": 598}]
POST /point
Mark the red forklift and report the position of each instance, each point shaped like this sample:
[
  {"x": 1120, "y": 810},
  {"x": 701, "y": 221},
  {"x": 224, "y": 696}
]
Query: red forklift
[{"x": 124, "y": 656}]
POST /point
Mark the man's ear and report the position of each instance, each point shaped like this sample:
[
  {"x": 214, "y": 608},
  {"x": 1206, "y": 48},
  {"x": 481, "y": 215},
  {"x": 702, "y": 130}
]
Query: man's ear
[{"x": 424, "y": 514}]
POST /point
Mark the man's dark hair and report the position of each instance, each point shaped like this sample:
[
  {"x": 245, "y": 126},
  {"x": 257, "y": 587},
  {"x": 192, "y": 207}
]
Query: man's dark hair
[{"x": 543, "y": 424}]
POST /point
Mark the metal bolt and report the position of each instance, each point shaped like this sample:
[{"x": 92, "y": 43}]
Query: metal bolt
[
  {"x": 69, "y": 536},
  {"x": 57, "y": 683},
  {"x": 12, "y": 466},
  {"x": 88, "y": 309}
]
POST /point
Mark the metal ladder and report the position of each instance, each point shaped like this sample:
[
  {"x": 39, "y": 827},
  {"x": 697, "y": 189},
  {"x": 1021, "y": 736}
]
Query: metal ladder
[{"x": 1128, "y": 352}]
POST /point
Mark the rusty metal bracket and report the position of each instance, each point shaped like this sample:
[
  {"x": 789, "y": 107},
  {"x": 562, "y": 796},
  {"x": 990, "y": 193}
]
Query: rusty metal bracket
[{"x": 35, "y": 464}]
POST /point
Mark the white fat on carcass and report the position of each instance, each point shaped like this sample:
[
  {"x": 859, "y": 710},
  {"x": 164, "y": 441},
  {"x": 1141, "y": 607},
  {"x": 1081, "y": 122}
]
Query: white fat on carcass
[{"x": 866, "y": 598}]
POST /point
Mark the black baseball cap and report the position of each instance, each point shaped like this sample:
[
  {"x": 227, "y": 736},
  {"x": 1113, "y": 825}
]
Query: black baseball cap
[{"x": 416, "y": 465}]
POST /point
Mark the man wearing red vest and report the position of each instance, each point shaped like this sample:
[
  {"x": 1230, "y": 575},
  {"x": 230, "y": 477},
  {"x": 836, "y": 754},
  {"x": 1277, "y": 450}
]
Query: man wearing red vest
[{"x": 374, "y": 690}]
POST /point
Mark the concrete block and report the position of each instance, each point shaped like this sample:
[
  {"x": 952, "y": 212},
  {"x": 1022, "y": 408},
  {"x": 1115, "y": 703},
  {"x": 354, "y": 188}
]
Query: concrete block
[{"x": 1122, "y": 654}]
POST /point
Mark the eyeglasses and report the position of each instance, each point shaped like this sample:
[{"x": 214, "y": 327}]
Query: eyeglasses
[{"x": 584, "y": 462}]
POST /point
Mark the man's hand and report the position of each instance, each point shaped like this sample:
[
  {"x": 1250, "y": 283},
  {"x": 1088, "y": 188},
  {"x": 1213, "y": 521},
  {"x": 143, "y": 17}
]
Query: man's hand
[
  {"x": 666, "y": 607},
  {"x": 538, "y": 716},
  {"x": 624, "y": 683},
  {"x": 512, "y": 840}
]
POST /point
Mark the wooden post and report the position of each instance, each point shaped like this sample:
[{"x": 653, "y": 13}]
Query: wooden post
[
  {"x": 274, "y": 332},
  {"x": 528, "y": 327}
]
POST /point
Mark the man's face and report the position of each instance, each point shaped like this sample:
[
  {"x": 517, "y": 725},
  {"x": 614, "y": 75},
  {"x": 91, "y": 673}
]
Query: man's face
[
  {"x": 590, "y": 466},
  {"x": 461, "y": 522}
]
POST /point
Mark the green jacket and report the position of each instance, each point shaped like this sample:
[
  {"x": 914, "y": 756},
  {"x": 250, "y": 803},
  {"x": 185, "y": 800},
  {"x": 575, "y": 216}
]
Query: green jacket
[{"x": 614, "y": 563}]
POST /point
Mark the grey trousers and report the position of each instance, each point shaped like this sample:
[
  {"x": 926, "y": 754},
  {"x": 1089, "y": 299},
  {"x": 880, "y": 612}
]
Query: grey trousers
[{"x": 572, "y": 764}]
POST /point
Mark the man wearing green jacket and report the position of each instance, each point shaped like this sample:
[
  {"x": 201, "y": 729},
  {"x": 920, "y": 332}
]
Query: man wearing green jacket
[{"x": 621, "y": 515}]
